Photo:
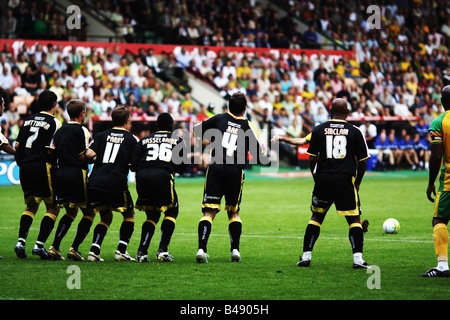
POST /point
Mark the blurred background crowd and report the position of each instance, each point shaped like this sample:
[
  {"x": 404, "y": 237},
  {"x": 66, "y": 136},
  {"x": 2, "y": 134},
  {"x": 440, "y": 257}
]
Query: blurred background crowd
[{"x": 397, "y": 70}]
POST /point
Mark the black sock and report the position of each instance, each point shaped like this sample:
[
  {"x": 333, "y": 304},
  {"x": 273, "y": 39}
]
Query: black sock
[
  {"x": 99, "y": 234},
  {"x": 235, "y": 230},
  {"x": 25, "y": 223},
  {"x": 311, "y": 235},
  {"x": 126, "y": 230},
  {"x": 204, "y": 230},
  {"x": 63, "y": 226},
  {"x": 148, "y": 229},
  {"x": 46, "y": 227},
  {"x": 82, "y": 231},
  {"x": 167, "y": 228},
  {"x": 356, "y": 237}
]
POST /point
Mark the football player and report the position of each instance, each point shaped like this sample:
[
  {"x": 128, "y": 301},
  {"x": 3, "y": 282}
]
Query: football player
[
  {"x": 232, "y": 137},
  {"x": 4, "y": 143},
  {"x": 338, "y": 153},
  {"x": 36, "y": 160},
  {"x": 108, "y": 183},
  {"x": 439, "y": 162},
  {"x": 301, "y": 142},
  {"x": 71, "y": 142},
  {"x": 155, "y": 185}
]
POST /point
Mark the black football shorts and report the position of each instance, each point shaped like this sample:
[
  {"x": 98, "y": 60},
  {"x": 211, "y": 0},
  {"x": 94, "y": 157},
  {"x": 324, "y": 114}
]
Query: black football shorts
[
  {"x": 99, "y": 200},
  {"x": 70, "y": 186},
  {"x": 335, "y": 188},
  {"x": 223, "y": 181},
  {"x": 37, "y": 180},
  {"x": 156, "y": 190}
]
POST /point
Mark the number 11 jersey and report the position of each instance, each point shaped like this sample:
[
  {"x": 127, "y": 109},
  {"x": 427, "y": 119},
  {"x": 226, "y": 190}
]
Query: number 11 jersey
[{"x": 114, "y": 149}]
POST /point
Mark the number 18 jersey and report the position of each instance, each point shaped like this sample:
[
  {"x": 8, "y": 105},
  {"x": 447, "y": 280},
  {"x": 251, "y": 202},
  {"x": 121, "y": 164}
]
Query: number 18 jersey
[{"x": 339, "y": 146}]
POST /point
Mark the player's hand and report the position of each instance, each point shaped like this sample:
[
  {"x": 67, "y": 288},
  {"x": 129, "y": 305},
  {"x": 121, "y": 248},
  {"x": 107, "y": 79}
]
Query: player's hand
[
  {"x": 276, "y": 138},
  {"x": 431, "y": 190}
]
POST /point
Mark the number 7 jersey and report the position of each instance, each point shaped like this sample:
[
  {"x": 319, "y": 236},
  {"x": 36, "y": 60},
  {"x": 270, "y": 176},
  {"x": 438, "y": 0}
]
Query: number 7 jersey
[{"x": 339, "y": 146}]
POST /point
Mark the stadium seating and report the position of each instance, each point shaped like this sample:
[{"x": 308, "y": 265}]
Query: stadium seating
[{"x": 381, "y": 75}]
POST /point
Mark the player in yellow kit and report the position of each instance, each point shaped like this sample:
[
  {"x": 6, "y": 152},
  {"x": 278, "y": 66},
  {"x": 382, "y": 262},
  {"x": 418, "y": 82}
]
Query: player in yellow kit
[{"x": 440, "y": 161}]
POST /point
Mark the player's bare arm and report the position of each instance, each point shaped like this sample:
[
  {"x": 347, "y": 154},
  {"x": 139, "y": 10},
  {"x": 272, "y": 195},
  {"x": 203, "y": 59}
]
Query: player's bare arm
[
  {"x": 294, "y": 141},
  {"x": 435, "y": 163},
  {"x": 8, "y": 149},
  {"x": 362, "y": 166}
]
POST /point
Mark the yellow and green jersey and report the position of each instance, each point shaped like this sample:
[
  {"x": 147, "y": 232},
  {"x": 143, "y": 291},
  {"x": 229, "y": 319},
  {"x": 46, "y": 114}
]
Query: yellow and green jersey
[{"x": 440, "y": 134}]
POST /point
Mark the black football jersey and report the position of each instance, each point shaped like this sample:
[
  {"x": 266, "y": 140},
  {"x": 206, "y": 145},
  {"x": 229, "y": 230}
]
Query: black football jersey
[
  {"x": 71, "y": 141},
  {"x": 339, "y": 146},
  {"x": 232, "y": 139},
  {"x": 114, "y": 149},
  {"x": 157, "y": 150},
  {"x": 35, "y": 137}
]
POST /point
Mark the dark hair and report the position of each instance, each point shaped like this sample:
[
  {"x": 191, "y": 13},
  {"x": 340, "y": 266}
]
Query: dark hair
[
  {"x": 339, "y": 106},
  {"x": 74, "y": 108},
  {"x": 237, "y": 104},
  {"x": 47, "y": 100},
  {"x": 120, "y": 115},
  {"x": 445, "y": 97},
  {"x": 164, "y": 122}
]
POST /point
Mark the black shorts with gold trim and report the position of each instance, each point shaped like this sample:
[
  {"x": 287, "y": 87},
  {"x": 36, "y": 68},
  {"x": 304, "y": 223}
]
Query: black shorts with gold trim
[
  {"x": 103, "y": 200},
  {"x": 156, "y": 190},
  {"x": 335, "y": 188},
  {"x": 37, "y": 180},
  {"x": 223, "y": 180},
  {"x": 70, "y": 186}
]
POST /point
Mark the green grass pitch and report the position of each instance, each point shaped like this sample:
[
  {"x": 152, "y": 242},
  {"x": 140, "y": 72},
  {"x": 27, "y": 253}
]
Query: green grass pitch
[{"x": 274, "y": 212}]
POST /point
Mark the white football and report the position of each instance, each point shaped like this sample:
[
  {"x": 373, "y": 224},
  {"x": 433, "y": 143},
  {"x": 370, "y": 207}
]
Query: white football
[{"x": 391, "y": 225}]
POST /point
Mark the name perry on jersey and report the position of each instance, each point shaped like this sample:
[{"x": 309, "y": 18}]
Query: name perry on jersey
[{"x": 115, "y": 138}]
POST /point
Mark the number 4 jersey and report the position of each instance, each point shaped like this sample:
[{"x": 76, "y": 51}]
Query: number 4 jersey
[
  {"x": 233, "y": 138},
  {"x": 114, "y": 149},
  {"x": 339, "y": 146}
]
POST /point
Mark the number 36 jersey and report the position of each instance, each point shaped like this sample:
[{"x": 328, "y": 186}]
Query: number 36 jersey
[
  {"x": 339, "y": 146},
  {"x": 157, "y": 150},
  {"x": 114, "y": 149}
]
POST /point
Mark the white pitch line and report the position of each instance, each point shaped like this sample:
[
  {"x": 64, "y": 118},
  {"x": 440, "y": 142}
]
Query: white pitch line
[{"x": 411, "y": 240}]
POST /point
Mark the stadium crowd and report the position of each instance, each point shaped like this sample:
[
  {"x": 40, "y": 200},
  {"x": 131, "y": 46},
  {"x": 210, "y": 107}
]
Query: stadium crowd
[{"x": 397, "y": 70}]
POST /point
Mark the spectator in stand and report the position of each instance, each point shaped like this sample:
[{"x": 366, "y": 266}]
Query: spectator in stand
[
  {"x": 422, "y": 151},
  {"x": 375, "y": 107},
  {"x": 385, "y": 157},
  {"x": 310, "y": 38},
  {"x": 407, "y": 151},
  {"x": 401, "y": 109},
  {"x": 369, "y": 131}
]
